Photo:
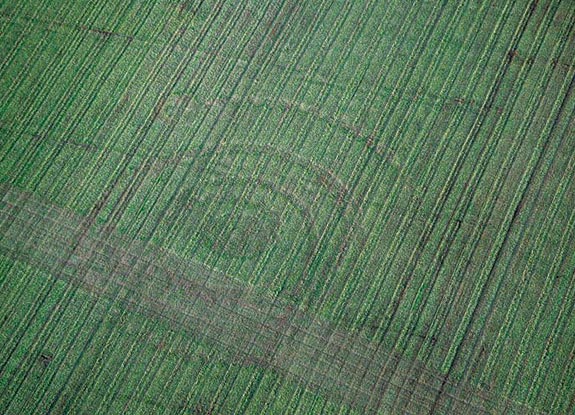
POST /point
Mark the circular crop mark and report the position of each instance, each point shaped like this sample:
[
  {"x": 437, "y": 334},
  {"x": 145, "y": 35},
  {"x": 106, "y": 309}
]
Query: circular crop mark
[
  {"x": 245, "y": 223},
  {"x": 265, "y": 211}
]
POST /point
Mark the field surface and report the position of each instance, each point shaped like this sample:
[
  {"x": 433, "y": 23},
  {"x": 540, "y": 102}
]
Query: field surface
[{"x": 287, "y": 207}]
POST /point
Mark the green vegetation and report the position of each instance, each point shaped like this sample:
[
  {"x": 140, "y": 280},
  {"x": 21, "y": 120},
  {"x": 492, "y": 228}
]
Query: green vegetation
[{"x": 350, "y": 207}]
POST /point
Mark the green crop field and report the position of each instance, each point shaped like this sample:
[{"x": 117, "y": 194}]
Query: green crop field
[{"x": 287, "y": 207}]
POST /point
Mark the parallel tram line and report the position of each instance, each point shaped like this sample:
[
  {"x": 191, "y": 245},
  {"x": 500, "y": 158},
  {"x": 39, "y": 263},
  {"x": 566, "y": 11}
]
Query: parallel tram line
[
  {"x": 488, "y": 103},
  {"x": 9, "y": 58},
  {"x": 92, "y": 218},
  {"x": 396, "y": 187},
  {"x": 380, "y": 118},
  {"x": 404, "y": 222},
  {"x": 38, "y": 306},
  {"x": 179, "y": 76},
  {"x": 95, "y": 167},
  {"x": 100, "y": 204},
  {"x": 45, "y": 82},
  {"x": 311, "y": 164},
  {"x": 158, "y": 162},
  {"x": 478, "y": 228},
  {"x": 539, "y": 307},
  {"x": 350, "y": 202},
  {"x": 432, "y": 222},
  {"x": 454, "y": 354},
  {"x": 499, "y": 183},
  {"x": 258, "y": 125},
  {"x": 536, "y": 388},
  {"x": 390, "y": 200},
  {"x": 367, "y": 154},
  {"x": 481, "y": 223},
  {"x": 323, "y": 94},
  {"x": 522, "y": 284},
  {"x": 430, "y": 73},
  {"x": 272, "y": 27},
  {"x": 281, "y": 86}
]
